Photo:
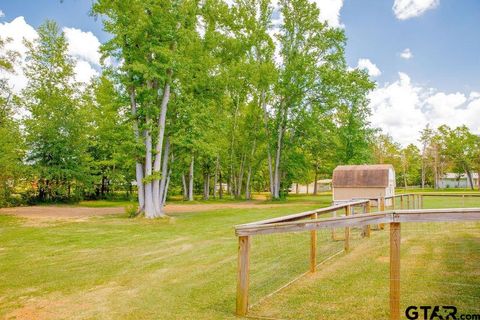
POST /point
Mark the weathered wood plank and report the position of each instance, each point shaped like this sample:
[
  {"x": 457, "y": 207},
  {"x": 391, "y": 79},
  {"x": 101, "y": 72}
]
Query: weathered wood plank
[
  {"x": 415, "y": 216},
  {"x": 449, "y": 194},
  {"x": 418, "y": 215},
  {"x": 328, "y": 223},
  {"x": 304, "y": 215},
  {"x": 367, "y": 228}
]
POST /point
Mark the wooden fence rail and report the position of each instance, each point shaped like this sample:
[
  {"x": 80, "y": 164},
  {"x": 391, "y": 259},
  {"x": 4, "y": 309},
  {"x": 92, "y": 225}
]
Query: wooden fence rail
[{"x": 309, "y": 221}]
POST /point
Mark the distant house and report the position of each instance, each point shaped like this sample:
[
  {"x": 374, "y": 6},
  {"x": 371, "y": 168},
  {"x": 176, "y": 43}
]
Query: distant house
[
  {"x": 322, "y": 186},
  {"x": 456, "y": 180},
  {"x": 363, "y": 181},
  {"x": 224, "y": 187}
]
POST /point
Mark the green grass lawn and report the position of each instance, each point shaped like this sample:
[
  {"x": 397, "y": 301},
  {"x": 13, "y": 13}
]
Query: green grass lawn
[{"x": 185, "y": 268}]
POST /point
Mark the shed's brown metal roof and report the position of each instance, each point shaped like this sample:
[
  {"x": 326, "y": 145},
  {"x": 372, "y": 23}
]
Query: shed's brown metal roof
[{"x": 375, "y": 175}]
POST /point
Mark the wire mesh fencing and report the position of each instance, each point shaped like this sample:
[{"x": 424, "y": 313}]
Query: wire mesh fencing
[
  {"x": 352, "y": 275},
  {"x": 440, "y": 266}
]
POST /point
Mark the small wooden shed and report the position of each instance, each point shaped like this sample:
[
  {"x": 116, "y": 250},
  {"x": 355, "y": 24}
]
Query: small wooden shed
[{"x": 363, "y": 181}]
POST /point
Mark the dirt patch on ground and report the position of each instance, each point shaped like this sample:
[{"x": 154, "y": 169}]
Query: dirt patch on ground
[
  {"x": 60, "y": 212},
  {"x": 82, "y": 213},
  {"x": 81, "y": 305}
]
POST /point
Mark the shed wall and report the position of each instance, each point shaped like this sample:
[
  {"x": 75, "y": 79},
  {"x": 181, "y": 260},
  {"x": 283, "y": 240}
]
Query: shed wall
[{"x": 350, "y": 193}]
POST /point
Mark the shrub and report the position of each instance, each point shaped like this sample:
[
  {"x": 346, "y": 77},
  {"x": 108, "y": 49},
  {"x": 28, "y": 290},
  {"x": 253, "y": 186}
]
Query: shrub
[{"x": 131, "y": 210}]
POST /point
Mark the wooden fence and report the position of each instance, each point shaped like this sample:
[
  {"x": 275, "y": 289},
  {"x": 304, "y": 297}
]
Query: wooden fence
[{"x": 409, "y": 211}]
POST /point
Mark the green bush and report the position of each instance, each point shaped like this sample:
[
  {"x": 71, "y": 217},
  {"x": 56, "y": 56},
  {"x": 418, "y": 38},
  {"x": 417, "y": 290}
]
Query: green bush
[{"x": 131, "y": 210}]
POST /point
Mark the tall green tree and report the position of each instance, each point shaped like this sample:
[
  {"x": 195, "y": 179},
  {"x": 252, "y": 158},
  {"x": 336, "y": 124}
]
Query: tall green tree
[
  {"x": 459, "y": 147},
  {"x": 11, "y": 141},
  {"x": 354, "y": 133},
  {"x": 56, "y": 123},
  {"x": 148, "y": 38},
  {"x": 110, "y": 144},
  {"x": 425, "y": 139}
]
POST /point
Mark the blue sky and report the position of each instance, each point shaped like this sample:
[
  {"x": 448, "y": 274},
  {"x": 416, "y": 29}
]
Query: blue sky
[
  {"x": 445, "y": 41},
  {"x": 69, "y": 13},
  {"x": 438, "y": 83}
]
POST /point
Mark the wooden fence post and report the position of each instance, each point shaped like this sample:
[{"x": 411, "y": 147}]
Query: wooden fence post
[
  {"x": 366, "y": 230},
  {"x": 347, "y": 231},
  {"x": 382, "y": 208},
  {"x": 395, "y": 271},
  {"x": 313, "y": 247},
  {"x": 421, "y": 201},
  {"x": 243, "y": 274},
  {"x": 401, "y": 201},
  {"x": 408, "y": 201}
]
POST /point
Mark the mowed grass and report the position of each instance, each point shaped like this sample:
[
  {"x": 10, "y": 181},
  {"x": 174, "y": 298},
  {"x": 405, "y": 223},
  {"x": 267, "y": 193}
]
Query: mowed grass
[
  {"x": 439, "y": 266},
  {"x": 185, "y": 268},
  {"x": 114, "y": 267}
]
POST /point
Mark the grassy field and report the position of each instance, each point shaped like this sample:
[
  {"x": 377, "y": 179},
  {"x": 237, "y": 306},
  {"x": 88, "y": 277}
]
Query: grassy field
[{"x": 185, "y": 268}]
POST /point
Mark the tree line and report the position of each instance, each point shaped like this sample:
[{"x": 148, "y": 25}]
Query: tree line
[
  {"x": 442, "y": 150},
  {"x": 197, "y": 98}
]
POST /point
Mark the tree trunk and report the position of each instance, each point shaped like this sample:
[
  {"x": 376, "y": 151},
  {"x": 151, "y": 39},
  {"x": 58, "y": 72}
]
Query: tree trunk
[
  {"x": 150, "y": 211},
  {"x": 249, "y": 174},
  {"x": 206, "y": 185},
  {"x": 220, "y": 191},
  {"x": 169, "y": 174},
  {"x": 190, "y": 179},
  {"x": 469, "y": 176},
  {"x": 238, "y": 191},
  {"x": 215, "y": 179},
  {"x": 232, "y": 183},
  {"x": 423, "y": 172},
  {"x": 247, "y": 185},
  {"x": 269, "y": 155},
  {"x": 102, "y": 187},
  {"x": 138, "y": 164},
  {"x": 228, "y": 184},
  {"x": 163, "y": 180},
  {"x": 281, "y": 129},
  {"x": 158, "y": 148},
  {"x": 185, "y": 188},
  {"x": 478, "y": 179},
  {"x": 315, "y": 182}
]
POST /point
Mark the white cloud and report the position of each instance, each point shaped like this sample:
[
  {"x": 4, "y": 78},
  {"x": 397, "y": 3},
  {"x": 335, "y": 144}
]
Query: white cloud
[
  {"x": 396, "y": 109},
  {"x": 402, "y": 109},
  {"x": 330, "y": 11},
  {"x": 368, "y": 65},
  {"x": 17, "y": 30},
  {"x": 84, "y": 71},
  {"x": 474, "y": 95},
  {"x": 406, "y": 54},
  {"x": 83, "y": 45},
  {"x": 2, "y": 14},
  {"x": 442, "y": 106},
  {"x": 406, "y": 9}
]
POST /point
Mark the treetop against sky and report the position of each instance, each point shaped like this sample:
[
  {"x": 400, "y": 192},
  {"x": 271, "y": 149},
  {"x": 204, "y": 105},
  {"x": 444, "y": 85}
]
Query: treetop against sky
[{"x": 422, "y": 54}]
